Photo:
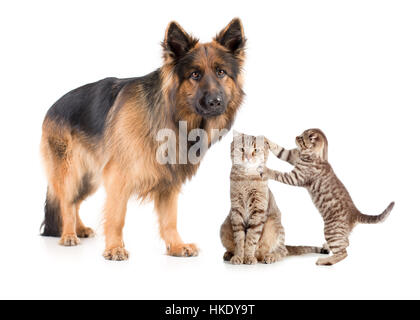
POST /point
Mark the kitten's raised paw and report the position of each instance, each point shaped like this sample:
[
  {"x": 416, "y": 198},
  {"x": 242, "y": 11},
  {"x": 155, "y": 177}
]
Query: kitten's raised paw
[
  {"x": 227, "y": 256},
  {"x": 69, "y": 240},
  {"x": 116, "y": 254},
  {"x": 270, "y": 258},
  {"x": 183, "y": 250},
  {"x": 237, "y": 260},
  {"x": 250, "y": 260}
]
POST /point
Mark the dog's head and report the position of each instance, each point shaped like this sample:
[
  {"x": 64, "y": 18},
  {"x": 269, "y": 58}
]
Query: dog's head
[{"x": 205, "y": 78}]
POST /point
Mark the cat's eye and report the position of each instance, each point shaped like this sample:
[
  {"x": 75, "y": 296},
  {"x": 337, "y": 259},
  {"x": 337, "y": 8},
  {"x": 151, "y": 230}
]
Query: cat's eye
[{"x": 257, "y": 150}]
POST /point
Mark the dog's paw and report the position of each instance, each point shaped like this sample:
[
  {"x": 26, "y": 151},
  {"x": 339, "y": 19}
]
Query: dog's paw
[
  {"x": 85, "y": 233},
  {"x": 250, "y": 260},
  {"x": 69, "y": 240},
  {"x": 183, "y": 250},
  {"x": 237, "y": 260},
  {"x": 116, "y": 254}
]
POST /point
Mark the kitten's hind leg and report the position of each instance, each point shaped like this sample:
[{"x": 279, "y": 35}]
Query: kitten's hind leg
[
  {"x": 325, "y": 249},
  {"x": 226, "y": 235},
  {"x": 335, "y": 258},
  {"x": 337, "y": 242},
  {"x": 271, "y": 246}
]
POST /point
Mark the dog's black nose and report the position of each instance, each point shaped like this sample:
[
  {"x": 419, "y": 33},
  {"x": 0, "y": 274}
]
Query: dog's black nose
[
  {"x": 216, "y": 101},
  {"x": 211, "y": 100}
]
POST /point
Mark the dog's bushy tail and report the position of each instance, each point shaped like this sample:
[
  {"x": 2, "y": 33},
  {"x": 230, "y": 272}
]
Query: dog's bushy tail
[
  {"x": 51, "y": 227},
  {"x": 299, "y": 250}
]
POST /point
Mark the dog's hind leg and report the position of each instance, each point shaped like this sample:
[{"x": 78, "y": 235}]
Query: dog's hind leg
[
  {"x": 87, "y": 186},
  {"x": 166, "y": 205},
  {"x": 69, "y": 237},
  {"x": 81, "y": 230},
  {"x": 69, "y": 182},
  {"x": 62, "y": 173}
]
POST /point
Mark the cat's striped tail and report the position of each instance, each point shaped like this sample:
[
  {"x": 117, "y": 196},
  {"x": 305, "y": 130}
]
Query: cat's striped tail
[
  {"x": 363, "y": 218},
  {"x": 299, "y": 250}
]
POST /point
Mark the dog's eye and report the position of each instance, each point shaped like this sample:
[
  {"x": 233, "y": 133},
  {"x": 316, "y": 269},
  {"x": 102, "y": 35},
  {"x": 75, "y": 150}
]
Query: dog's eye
[
  {"x": 220, "y": 73},
  {"x": 195, "y": 75}
]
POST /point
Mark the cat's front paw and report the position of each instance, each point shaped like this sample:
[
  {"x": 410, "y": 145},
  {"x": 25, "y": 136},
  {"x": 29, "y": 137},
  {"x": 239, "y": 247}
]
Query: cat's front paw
[
  {"x": 250, "y": 260},
  {"x": 261, "y": 170},
  {"x": 237, "y": 260}
]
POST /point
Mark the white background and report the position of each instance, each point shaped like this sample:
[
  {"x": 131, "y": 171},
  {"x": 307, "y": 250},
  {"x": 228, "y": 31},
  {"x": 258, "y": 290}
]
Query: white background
[{"x": 351, "y": 68}]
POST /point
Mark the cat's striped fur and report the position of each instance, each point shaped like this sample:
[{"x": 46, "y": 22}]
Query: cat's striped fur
[
  {"x": 253, "y": 231},
  {"x": 329, "y": 195}
]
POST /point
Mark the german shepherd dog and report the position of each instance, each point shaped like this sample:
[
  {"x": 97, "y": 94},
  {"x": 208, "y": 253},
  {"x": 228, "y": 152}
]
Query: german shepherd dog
[{"x": 106, "y": 132}]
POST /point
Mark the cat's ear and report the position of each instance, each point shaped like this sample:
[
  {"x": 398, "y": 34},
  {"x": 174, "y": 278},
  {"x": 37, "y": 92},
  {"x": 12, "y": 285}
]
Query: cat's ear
[
  {"x": 266, "y": 143},
  {"x": 232, "y": 37},
  {"x": 325, "y": 151},
  {"x": 177, "y": 42},
  {"x": 236, "y": 134}
]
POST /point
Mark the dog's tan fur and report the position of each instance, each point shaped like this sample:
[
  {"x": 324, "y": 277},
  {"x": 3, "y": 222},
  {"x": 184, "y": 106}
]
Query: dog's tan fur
[{"x": 125, "y": 158}]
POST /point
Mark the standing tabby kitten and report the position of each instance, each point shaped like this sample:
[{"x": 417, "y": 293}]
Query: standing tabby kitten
[
  {"x": 253, "y": 231},
  {"x": 329, "y": 195}
]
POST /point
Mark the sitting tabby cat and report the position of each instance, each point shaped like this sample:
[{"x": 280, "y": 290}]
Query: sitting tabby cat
[
  {"x": 329, "y": 195},
  {"x": 253, "y": 231}
]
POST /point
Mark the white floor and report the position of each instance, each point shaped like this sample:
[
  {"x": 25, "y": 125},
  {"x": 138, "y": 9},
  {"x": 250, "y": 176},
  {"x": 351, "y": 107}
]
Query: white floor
[
  {"x": 379, "y": 265},
  {"x": 349, "y": 68}
]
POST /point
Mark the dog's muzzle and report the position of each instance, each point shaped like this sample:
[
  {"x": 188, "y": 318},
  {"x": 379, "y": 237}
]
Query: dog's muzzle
[{"x": 211, "y": 105}]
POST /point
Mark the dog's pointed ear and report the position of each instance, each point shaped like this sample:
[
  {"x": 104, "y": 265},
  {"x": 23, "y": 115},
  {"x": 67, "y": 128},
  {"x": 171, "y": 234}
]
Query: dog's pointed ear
[
  {"x": 177, "y": 42},
  {"x": 232, "y": 37}
]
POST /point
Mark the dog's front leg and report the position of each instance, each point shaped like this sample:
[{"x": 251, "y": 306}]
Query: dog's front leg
[
  {"x": 166, "y": 205},
  {"x": 118, "y": 194}
]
